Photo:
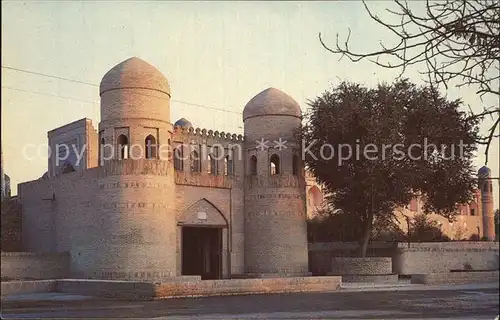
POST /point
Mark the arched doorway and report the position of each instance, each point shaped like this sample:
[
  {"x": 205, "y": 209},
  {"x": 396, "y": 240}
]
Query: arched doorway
[
  {"x": 203, "y": 230},
  {"x": 315, "y": 197},
  {"x": 314, "y": 201}
]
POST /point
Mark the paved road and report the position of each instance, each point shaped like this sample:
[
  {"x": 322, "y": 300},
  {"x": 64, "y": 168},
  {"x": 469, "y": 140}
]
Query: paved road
[{"x": 427, "y": 304}]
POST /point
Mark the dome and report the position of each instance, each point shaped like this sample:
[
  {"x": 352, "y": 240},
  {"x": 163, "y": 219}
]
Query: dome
[
  {"x": 183, "y": 122},
  {"x": 484, "y": 172},
  {"x": 134, "y": 73},
  {"x": 271, "y": 102}
]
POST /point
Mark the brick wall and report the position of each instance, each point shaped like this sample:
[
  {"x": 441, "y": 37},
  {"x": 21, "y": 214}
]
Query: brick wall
[
  {"x": 30, "y": 265},
  {"x": 113, "y": 219},
  {"x": 80, "y": 137},
  {"x": 446, "y": 256},
  {"x": 275, "y": 209},
  {"x": 418, "y": 258}
]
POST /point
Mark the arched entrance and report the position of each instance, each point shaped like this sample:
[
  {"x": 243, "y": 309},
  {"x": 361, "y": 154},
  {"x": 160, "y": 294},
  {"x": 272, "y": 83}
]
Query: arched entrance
[
  {"x": 315, "y": 197},
  {"x": 203, "y": 231}
]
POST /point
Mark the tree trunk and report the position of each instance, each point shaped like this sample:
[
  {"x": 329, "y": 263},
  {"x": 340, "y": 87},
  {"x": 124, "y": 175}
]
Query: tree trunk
[
  {"x": 365, "y": 237},
  {"x": 367, "y": 225}
]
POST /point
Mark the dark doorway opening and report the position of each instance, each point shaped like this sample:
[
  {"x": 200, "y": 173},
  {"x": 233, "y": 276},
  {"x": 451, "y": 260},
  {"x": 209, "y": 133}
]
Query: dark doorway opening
[{"x": 202, "y": 252}]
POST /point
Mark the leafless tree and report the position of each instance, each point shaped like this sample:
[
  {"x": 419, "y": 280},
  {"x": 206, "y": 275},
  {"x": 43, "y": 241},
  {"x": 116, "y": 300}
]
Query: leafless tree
[{"x": 457, "y": 41}]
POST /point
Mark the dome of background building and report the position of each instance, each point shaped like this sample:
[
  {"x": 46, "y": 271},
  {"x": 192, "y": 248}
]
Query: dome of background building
[
  {"x": 134, "y": 73},
  {"x": 484, "y": 172},
  {"x": 183, "y": 122},
  {"x": 271, "y": 102}
]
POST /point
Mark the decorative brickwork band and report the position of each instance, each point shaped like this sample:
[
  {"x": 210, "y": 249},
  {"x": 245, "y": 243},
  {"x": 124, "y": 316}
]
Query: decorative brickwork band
[
  {"x": 284, "y": 180},
  {"x": 134, "y": 167}
]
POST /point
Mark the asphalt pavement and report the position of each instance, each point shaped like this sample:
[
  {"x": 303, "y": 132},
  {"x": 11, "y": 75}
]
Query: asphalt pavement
[{"x": 459, "y": 302}]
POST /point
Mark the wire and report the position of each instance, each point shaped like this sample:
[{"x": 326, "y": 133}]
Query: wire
[
  {"x": 48, "y": 94},
  {"x": 73, "y": 99},
  {"x": 95, "y": 85},
  {"x": 49, "y": 76}
]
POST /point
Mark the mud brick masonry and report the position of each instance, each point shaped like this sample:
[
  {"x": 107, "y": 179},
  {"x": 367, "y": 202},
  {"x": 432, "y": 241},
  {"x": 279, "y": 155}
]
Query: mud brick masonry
[
  {"x": 132, "y": 213},
  {"x": 136, "y": 214}
]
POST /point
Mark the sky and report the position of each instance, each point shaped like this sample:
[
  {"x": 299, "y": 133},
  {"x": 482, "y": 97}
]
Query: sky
[{"x": 216, "y": 56}]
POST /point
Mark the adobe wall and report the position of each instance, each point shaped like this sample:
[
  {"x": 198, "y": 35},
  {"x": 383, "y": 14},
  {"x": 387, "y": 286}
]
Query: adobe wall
[
  {"x": 361, "y": 266},
  {"x": 462, "y": 228},
  {"x": 216, "y": 203},
  {"x": 38, "y": 215},
  {"x": 130, "y": 290},
  {"x": 136, "y": 209},
  {"x": 79, "y": 134},
  {"x": 225, "y": 192},
  {"x": 97, "y": 205},
  {"x": 275, "y": 226},
  {"x": 445, "y": 256},
  {"x": 31, "y": 265},
  {"x": 247, "y": 286},
  {"x": 98, "y": 216},
  {"x": 9, "y": 288},
  {"x": 457, "y": 278},
  {"x": 221, "y": 206},
  {"x": 49, "y": 226},
  {"x": 418, "y": 258},
  {"x": 322, "y": 253}
]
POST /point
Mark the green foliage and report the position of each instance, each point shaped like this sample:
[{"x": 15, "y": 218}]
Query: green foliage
[
  {"x": 474, "y": 237},
  {"x": 423, "y": 229},
  {"x": 376, "y": 179},
  {"x": 338, "y": 226},
  {"x": 328, "y": 226}
]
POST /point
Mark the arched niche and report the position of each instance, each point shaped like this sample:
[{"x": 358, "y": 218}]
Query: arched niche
[
  {"x": 274, "y": 165},
  {"x": 253, "y": 165},
  {"x": 150, "y": 147},
  {"x": 123, "y": 147},
  {"x": 315, "y": 196},
  {"x": 202, "y": 213}
]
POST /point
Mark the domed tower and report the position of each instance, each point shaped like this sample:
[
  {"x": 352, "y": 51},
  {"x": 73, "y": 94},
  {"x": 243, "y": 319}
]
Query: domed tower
[
  {"x": 486, "y": 186},
  {"x": 275, "y": 209},
  {"x": 183, "y": 123},
  {"x": 136, "y": 178}
]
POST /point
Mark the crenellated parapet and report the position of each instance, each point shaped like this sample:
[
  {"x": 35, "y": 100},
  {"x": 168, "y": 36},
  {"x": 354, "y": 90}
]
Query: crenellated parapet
[{"x": 190, "y": 133}]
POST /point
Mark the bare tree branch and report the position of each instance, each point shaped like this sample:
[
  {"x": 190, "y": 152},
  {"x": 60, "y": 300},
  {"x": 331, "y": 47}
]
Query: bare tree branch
[{"x": 456, "y": 41}]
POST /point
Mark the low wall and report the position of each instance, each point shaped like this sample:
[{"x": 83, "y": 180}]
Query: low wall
[
  {"x": 458, "y": 278},
  {"x": 361, "y": 266},
  {"x": 437, "y": 257},
  {"x": 419, "y": 258},
  {"x": 247, "y": 286},
  {"x": 23, "y": 287},
  {"x": 372, "y": 278},
  {"x": 131, "y": 290},
  {"x": 321, "y": 253},
  {"x": 34, "y": 266}
]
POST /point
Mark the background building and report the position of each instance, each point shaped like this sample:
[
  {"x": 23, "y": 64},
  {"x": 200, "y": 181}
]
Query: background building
[{"x": 473, "y": 220}]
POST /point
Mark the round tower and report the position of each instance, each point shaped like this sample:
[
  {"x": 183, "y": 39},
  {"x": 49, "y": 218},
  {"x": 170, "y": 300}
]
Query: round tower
[
  {"x": 486, "y": 187},
  {"x": 136, "y": 183},
  {"x": 275, "y": 209}
]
